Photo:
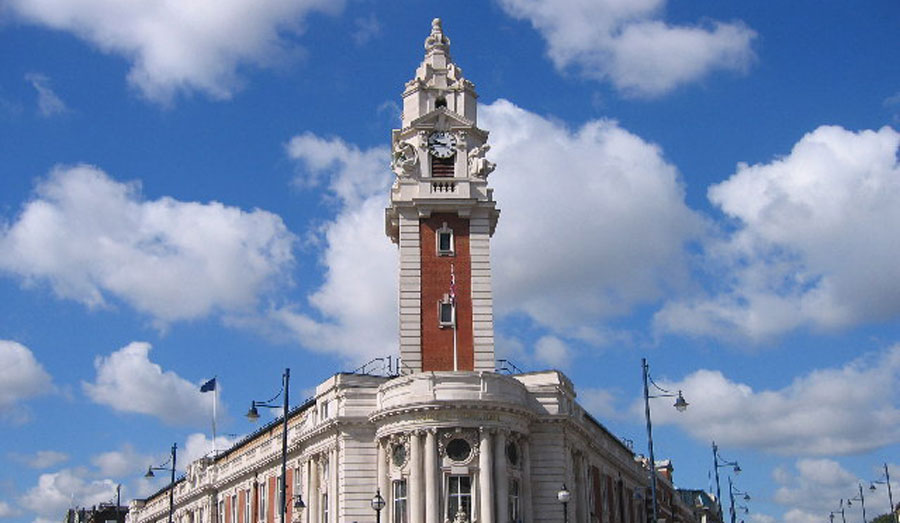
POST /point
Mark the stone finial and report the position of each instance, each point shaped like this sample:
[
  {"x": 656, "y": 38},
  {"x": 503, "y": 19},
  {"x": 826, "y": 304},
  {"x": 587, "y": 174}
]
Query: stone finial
[{"x": 437, "y": 39}]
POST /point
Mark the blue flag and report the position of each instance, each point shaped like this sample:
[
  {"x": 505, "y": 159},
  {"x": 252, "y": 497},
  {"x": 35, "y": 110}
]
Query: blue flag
[{"x": 209, "y": 386}]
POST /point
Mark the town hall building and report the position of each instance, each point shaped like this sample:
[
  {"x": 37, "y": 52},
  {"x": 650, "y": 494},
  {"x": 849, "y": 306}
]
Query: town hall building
[{"x": 445, "y": 438}]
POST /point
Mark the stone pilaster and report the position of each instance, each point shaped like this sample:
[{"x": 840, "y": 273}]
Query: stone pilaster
[
  {"x": 432, "y": 506},
  {"x": 416, "y": 483},
  {"x": 501, "y": 477},
  {"x": 485, "y": 477}
]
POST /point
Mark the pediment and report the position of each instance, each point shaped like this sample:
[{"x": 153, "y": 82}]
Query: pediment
[{"x": 441, "y": 117}]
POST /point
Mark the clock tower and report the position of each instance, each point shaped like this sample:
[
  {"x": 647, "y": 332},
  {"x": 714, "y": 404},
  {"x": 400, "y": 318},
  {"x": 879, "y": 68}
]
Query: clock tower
[{"x": 442, "y": 216}]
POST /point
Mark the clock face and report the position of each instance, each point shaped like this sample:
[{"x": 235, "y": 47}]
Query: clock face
[{"x": 442, "y": 144}]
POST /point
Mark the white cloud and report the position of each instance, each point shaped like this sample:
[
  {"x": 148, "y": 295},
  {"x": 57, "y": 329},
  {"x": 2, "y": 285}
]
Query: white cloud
[
  {"x": 177, "y": 47},
  {"x": 55, "y": 492},
  {"x": 128, "y": 381},
  {"x": 7, "y": 511},
  {"x": 41, "y": 459},
  {"x": 356, "y": 305},
  {"x": 811, "y": 248},
  {"x": 552, "y": 351},
  {"x": 812, "y": 489},
  {"x": 573, "y": 204},
  {"x": 49, "y": 103},
  {"x": 21, "y": 377},
  {"x": 90, "y": 238},
  {"x": 628, "y": 44},
  {"x": 367, "y": 29},
  {"x": 826, "y": 412},
  {"x": 198, "y": 445},
  {"x": 120, "y": 463}
]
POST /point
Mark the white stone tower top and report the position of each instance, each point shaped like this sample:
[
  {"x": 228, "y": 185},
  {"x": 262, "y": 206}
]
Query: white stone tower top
[
  {"x": 438, "y": 78},
  {"x": 441, "y": 216}
]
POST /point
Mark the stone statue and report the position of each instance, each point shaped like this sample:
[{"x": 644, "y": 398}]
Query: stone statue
[
  {"x": 479, "y": 166},
  {"x": 404, "y": 159}
]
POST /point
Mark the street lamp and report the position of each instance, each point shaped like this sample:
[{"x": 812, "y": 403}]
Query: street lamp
[
  {"x": 680, "y": 406},
  {"x": 886, "y": 481},
  {"x": 253, "y": 415},
  {"x": 150, "y": 474},
  {"x": 731, "y": 492},
  {"x": 719, "y": 462},
  {"x": 841, "y": 512},
  {"x": 377, "y": 505},
  {"x": 563, "y": 496},
  {"x": 862, "y": 501}
]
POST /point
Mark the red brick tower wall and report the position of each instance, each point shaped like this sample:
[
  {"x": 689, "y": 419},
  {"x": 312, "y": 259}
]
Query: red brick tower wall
[{"x": 437, "y": 342}]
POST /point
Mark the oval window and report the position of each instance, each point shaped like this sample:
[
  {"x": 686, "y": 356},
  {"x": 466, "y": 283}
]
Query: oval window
[
  {"x": 398, "y": 455},
  {"x": 458, "y": 449}
]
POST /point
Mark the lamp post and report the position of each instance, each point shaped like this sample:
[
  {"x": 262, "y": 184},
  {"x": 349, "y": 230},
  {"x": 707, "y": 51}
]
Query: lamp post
[
  {"x": 841, "y": 512},
  {"x": 253, "y": 415},
  {"x": 862, "y": 501},
  {"x": 680, "y": 406},
  {"x": 731, "y": 492},
  {"x": 150, "y": 474},
  {"x": 719, "y": 462},
  {"x": 563, "y": 496},
  {"x": 886, "y": 481},
  {"x": 377, "y": 504}
]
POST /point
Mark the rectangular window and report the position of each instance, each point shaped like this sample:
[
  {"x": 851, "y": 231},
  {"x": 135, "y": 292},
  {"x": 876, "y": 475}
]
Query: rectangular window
[
  {"x": 221, "y": 515},
  {"x": 234, "y": 508},
  {"x": 514, "y": 500},
  {"x": 446, "y": 312},
  {"x": 201, "y": 516},
  {"x": 400, "y": 515},
  {"x": 297, "y": 490},
  {"x": 247, "y": 506},
  {"x": 262, "y": 501},
  {"x": 459, "y": 497},
  {"x": 444, "y": 240},
  {"x": 324, "y": 508},
  {"x": 278, "y": 501}
]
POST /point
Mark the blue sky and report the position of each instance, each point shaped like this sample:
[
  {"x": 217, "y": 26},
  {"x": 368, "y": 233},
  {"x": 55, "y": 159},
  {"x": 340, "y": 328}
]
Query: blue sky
[{"x": 196, "y": 189}]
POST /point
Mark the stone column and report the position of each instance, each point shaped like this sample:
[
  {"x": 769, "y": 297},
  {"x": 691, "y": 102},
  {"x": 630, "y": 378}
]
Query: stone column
[
  {"x": 526, "y": 507},
  {"x": 485, "y": 478},
  {"x": 383, "y": 482},
  {"x": 416, "y": 498},
  {"x": 501, "y": 477},
  {"x": 432, "y": 508},
  {"x": 333, "y": 493},
  {"x": 313, "y": 494}
]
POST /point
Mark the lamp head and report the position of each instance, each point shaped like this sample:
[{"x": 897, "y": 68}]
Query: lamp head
[
  {"x": 680, "y": 404},
  {"x": 149, "y": 473},
  {"x": 746, "y": 497},
  {"x": 298, "y": 502},
  {"x": 872, "y": 487},
  {"x": 737, "y": 469},
  {"x": 377, "y": 501},
  {"x": 253, "y": 414},
  {"x": 563, "y": 495}
]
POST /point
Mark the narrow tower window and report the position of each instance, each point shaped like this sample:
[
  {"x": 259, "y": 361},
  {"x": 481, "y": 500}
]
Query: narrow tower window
[
  {"x": 446, "y": 312},
  {"x": 444, "y": 240}
]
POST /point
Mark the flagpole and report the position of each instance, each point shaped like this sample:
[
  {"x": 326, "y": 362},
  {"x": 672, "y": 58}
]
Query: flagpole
[
  {"x": 215, "y": 401},
  {"x": 453, "y": 304}
]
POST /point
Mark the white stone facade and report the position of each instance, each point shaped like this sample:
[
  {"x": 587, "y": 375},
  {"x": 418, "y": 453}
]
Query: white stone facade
[{"x": 513, "y": 441}]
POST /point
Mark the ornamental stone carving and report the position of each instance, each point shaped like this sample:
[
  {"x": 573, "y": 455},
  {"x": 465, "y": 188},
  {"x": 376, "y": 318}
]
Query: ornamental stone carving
[
  {"x": 450, "y": 446},
  {"x": 404, "y": 159},
  {"x": 479, "y": 166}
]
